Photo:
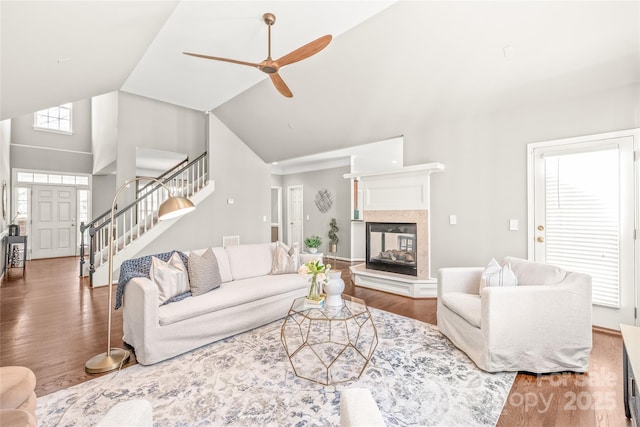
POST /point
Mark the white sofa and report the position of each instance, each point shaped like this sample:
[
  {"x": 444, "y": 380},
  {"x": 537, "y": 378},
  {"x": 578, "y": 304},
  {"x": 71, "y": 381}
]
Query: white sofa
[
  {"x": 248, "y": 297},
  {"x": 542, "y": 325}
]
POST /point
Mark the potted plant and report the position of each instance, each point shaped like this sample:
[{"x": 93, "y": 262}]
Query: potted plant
[
  {"x": 333, "y": 236},
  {"x": 313, "y": 243}
]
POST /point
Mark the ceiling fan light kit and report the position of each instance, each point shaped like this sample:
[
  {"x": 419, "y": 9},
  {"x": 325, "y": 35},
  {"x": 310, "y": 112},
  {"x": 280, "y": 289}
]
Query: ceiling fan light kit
[{"x": 271, "y": 67}]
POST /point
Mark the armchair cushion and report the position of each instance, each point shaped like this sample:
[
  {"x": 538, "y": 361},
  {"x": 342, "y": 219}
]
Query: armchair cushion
[
  {"x": 466, "y": 306},
  {"x": 534, "y": 273}
]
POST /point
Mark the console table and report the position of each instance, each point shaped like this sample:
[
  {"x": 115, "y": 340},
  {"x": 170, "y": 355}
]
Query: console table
[
  {"x": 9, "y": 243},
  {"x": 631, "y": 370}
]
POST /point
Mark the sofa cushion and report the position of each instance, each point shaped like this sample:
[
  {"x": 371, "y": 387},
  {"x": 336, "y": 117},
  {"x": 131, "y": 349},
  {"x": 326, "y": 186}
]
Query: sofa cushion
[
  {"x": 249, "y": 260},
  {"x": 170, "y": 277},
  {"x": 496, "y": 275},
  {"x": 204, "y": 274},
  {"x": 535, "y": 273},
  {"x": 285, "y": 259},
  {"x": 231, "y": 294},
  {"x": 223, "y": 262},
  {"x": 467, "y": 306}
]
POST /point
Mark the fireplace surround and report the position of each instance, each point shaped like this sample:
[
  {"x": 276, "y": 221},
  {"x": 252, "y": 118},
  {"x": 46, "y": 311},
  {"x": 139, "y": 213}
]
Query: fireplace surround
[
  {"x": 392, "y": 197},
  {"x": 392, "y": 246}
]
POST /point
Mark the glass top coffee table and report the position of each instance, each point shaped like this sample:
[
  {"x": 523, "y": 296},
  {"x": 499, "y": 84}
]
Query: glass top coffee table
[{"x": 329, "y": 345}]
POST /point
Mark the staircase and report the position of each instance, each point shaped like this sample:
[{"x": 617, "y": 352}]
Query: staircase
[{"x": 136, "y": 224}]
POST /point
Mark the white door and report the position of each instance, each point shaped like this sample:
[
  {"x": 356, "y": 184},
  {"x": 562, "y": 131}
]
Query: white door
[
  {"x": 53, "y": 226},
  {"x": 583, "y": 218},
  {"x": 295, "y": 212},
  {"x": 276, "y": 214}
]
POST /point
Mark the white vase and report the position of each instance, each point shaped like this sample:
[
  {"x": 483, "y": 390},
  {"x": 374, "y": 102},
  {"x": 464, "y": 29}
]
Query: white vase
[
  {"x": 312, "y": 250},
  {"x": 333, "y": 289}
]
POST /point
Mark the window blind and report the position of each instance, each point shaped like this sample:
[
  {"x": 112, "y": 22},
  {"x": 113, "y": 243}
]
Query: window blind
[{"x": 582, "y": 230}]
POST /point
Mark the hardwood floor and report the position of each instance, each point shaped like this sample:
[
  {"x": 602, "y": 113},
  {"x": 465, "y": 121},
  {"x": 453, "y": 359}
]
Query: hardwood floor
[{"x": 52, "y": 322}]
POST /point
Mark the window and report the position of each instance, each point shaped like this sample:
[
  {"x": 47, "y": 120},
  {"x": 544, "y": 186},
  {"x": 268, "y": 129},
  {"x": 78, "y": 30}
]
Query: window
[
  {"x": 56, "y": 119},
  {"x": 45, "y": 178}
]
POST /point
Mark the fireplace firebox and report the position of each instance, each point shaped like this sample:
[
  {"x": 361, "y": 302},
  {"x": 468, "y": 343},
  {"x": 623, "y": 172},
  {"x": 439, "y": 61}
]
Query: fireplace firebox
[{"x": 391, "y": 246}]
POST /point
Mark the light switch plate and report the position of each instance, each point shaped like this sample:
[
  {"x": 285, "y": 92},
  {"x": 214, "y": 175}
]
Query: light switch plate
[
  {"x": 513, "y": 225},
  {"x": 453, "y": 219}
]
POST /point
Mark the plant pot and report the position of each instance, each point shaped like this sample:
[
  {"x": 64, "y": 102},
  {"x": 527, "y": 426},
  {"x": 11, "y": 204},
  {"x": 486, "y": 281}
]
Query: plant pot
[
  {"x": 333, "y": 248},
  {"x": 333, "y": 289},
  {"x": 312, "y": 250}
]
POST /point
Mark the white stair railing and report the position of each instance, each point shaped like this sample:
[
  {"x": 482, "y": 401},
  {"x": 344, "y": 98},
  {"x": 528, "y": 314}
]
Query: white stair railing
[{"x": 140, "y": 216}]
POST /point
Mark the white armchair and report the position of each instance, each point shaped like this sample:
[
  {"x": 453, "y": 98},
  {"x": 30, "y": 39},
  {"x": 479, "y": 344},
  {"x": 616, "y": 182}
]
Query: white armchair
[{"x": 541, "y": 325}]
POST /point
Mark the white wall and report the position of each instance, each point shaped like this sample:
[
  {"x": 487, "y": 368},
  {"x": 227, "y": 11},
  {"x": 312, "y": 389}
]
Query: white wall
[
  {"x": 318, "y": 222},
  {"x": 104, "y": 132},
  {"x": 144, "y": 122},
  {"x": 5, "y": 176},
  {"x": 238, "y": 173},
  {"x": 5, "y": 170},
  {"x": 52, "y": 151},
  {"x": 485, "y": 184}
]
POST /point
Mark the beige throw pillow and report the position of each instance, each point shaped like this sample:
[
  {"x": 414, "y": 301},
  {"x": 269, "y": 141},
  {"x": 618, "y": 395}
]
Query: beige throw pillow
[
  {"x": 204, "y": 273},
  {"x": 285, "y": 260},
  {"x": 171, "y": 277},
  {"x": 495, "y": 275}
]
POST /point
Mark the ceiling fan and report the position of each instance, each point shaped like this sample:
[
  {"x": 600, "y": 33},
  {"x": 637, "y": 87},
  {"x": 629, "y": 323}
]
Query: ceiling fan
[{"x": 271, "y": 66}]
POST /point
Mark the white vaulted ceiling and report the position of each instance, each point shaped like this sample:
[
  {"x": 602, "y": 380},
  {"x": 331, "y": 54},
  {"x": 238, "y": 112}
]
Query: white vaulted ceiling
[{"x": 390, "y": 64}]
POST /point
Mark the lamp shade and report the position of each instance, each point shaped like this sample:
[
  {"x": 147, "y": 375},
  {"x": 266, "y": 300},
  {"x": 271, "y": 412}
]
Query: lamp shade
[{"x": 174, "y": 207}]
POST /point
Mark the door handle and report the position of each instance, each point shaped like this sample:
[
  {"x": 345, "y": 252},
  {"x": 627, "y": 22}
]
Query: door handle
[{"x": 540, "y": 239}]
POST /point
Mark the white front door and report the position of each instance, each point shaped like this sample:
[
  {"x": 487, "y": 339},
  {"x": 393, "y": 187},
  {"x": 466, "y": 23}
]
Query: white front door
[
  {"x": 583, "y": 218},
  {"x": 54, "y": 222},
  {"x": 295, "y": 212}
]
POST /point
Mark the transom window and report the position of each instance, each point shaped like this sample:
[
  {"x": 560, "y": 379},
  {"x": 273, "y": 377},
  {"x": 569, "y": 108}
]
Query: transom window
[
  {"x": 50, "y": 178},
  {"x": 56, "y": 119}
]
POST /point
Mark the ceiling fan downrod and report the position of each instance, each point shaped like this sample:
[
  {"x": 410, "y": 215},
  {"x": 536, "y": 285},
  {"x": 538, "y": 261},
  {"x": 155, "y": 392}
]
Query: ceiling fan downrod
[{"x": 269, "y": 19}]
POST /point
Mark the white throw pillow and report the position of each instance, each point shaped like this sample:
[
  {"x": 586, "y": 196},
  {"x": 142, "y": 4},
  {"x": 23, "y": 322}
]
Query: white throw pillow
[
  {"x": 285, "y": 260},
  {"x": 171, "y": 277},
  {"x": 495, "y": 275}
]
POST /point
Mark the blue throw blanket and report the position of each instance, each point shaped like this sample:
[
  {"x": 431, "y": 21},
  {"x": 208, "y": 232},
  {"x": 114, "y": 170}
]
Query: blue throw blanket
[{"x": 139, "y": 267}]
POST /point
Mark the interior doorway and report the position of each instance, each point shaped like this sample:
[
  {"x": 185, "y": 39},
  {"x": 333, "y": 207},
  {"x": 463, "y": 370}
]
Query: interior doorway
[
  {"x": 295, "y": 214},
  {"x": 276, "y": 214},
  {"x": 54, "y": 221},
  {"x": 583, "y": 213}
]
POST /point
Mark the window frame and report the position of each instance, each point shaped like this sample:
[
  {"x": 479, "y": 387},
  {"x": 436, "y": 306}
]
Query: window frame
[{"x": 68, "y": 106}]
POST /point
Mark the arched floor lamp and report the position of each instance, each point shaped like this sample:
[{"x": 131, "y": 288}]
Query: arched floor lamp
[{"x": 173, "y": 207}]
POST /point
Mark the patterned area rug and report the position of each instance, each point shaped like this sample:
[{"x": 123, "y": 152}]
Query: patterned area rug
[{"x": 416, "y": 376}]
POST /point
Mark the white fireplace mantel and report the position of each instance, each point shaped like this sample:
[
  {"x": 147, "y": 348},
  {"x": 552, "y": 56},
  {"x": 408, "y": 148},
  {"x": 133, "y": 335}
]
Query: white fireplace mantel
[
  {"x": 395, "y": 195},
  {"x": 427, "y": 168},
  {"x": 404, "y": 188}
]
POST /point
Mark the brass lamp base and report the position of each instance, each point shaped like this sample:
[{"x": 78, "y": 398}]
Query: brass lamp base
[{"x": 105, "y": 363}]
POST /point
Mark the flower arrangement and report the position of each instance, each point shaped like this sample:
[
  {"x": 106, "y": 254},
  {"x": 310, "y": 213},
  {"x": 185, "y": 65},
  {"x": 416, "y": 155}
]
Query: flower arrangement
[{"x": 318, "y": 274}]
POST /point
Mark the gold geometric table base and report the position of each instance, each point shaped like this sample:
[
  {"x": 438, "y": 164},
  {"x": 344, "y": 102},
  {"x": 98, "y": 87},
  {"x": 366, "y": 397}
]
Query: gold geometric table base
[{"x": 329, "y": 345}]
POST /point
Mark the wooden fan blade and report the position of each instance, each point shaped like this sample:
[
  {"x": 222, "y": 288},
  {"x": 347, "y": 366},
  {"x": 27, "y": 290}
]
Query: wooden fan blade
[
  {"x": 305, "y": 51},
  {"x": 216, "y": 58},
  {"x": 280, "y": 85}
]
